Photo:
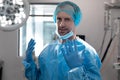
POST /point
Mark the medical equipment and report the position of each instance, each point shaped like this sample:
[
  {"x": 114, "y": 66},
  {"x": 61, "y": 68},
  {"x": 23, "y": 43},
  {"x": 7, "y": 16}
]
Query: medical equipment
[
  {"x": 115, "y": 30},
  {"x": 108, "y": 25},
  {"x": 117, "y": 64},
  {"x": 66, "y": 36},
  {"x": 13, "y": 14}
]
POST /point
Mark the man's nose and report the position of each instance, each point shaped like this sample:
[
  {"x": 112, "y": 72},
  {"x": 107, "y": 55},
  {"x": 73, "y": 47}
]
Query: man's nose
[{"x": 62, "y": 23}]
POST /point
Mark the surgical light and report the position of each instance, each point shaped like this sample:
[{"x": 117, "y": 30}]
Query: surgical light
[{"x": 13, "y": 14}]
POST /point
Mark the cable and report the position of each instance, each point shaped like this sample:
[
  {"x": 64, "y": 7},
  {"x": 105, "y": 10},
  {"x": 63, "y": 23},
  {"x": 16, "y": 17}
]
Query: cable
[
  {"x": 108, "y": 46},
  {"x": 101, "y": 48},
  {"x": 110, "y": 56}
]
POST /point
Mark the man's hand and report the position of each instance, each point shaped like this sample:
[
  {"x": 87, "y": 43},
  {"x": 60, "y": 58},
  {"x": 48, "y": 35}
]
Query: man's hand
[
  {"x": 29, "y": 51},
  {"x": 71, "y": 54}
]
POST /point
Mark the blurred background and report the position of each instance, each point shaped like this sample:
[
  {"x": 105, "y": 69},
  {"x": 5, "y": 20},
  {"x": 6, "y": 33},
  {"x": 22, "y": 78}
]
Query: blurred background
[{"x": 100, "y": 27}]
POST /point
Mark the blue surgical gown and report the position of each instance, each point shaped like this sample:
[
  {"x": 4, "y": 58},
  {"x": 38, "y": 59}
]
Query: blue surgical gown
[{"x": 52, "y": 65}]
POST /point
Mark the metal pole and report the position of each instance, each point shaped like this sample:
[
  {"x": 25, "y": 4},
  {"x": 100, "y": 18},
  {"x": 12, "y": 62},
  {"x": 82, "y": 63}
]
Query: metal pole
[{"x": 119, "y": 47}]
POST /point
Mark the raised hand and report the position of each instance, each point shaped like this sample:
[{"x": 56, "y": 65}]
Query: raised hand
[
  {"x": 71, "y": 54},
  {"x": 30, "y": 50}
]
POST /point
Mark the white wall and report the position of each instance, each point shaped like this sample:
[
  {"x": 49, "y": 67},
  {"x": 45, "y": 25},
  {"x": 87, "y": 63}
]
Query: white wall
[{"x": 92, "y": 26}]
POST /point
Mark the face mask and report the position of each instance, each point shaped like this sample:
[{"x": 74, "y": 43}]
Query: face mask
[{"x": 66, "y": 36}]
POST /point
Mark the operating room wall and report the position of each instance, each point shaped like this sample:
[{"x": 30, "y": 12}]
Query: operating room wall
[
  {"x": 92, "y": 26},
  {"x": 12, "y": 68}
]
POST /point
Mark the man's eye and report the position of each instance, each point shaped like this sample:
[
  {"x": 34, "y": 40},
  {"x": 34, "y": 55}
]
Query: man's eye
[
  {"x": 67, "y": 19},
  {"x": 58, "y": 19}
]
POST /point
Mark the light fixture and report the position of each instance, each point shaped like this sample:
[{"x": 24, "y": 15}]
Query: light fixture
[{"x": 13, "y": 14}]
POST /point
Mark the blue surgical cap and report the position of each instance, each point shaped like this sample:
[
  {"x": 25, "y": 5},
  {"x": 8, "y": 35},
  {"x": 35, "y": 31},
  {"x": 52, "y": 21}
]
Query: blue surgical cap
[{"x": 71, "y": 9}]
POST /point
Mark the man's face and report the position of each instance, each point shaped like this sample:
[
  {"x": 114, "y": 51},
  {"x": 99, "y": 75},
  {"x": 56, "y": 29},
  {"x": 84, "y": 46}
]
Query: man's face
[{"x": 65, "y": 23}]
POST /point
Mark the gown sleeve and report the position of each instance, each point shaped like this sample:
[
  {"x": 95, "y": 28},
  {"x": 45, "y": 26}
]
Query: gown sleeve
[{"x": 31, "y": 70}]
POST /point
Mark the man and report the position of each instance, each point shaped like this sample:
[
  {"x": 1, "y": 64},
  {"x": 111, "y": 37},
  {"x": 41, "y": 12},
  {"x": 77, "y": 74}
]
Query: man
[{"x": 68, "y": 58}]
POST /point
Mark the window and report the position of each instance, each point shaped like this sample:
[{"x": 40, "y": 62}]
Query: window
[{"x": 39, "y": 26}]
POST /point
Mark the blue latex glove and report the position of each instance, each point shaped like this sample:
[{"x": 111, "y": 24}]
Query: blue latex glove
[
  {"x": 70, "y": 52},
  {"x": 29, "y": 51}
]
